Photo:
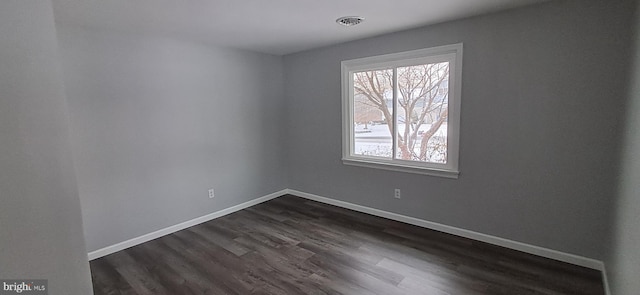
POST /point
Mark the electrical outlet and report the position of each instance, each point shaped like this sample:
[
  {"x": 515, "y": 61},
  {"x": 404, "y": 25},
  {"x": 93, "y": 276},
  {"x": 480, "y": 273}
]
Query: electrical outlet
[
  {"x": 397, "y": 194},
  {"x": 211, "y": 193}
]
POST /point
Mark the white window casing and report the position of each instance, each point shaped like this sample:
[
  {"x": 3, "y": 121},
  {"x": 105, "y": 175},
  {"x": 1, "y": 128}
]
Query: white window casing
[{"x": 448, "y": 53}]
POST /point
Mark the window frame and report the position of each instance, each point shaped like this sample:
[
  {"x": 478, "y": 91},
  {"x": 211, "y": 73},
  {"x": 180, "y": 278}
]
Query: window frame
[{"x": 451, "y": 53}]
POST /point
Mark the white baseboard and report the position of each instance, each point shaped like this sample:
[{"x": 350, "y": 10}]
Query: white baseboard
[
  {"x": 174, "y": 228},
  {"x": 531, "y": 249},
  {"x": 527, "y": 248}
]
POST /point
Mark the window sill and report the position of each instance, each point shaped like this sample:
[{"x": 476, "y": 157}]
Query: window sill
[{"x": 402, "y": 168}]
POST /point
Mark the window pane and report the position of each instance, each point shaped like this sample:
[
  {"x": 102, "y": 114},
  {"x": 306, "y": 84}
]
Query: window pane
[
  {"x": 423, "y": 98},
  {"x": 373, "y": 113}
]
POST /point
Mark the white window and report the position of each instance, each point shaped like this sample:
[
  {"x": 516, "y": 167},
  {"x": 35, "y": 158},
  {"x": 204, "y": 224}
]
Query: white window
[{"x": 402, "y": 111}]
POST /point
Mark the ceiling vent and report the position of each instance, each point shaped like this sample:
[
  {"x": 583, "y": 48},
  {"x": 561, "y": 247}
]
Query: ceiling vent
[{"x": 349, "y": 21}]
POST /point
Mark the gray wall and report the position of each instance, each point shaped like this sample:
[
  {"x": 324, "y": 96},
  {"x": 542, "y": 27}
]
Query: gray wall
[
  {"x": 40, "y": 222},
  {"x": 157, "y": 121},
  {"x": 623, "y": 259},
  {"x": 542, "y": 91}
]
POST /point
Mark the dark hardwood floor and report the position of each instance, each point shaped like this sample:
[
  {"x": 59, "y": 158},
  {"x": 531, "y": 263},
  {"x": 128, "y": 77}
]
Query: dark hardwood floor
[{"x": 291, "y": 245}]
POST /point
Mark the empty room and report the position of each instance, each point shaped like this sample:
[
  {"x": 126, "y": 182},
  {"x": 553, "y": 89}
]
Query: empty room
[{"x": 320, "y": 147}]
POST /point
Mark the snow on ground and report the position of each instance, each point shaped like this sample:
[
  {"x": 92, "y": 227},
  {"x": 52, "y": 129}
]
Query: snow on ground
[{"x": 376, "y": 139}]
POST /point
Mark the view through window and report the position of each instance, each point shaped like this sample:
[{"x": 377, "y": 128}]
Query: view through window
[{"x": 403, "y": 109}]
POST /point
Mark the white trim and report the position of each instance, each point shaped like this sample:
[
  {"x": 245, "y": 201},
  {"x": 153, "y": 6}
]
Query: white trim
[
  {"x": 527, "y": 248},
  {"x": 449, "y": 53},
  {"x": 180, "y": 226},
  {"x": 400, "y": 168}
]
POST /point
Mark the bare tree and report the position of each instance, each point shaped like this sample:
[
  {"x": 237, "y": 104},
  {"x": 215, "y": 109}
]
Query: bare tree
[{"x": 422, "y": 99}]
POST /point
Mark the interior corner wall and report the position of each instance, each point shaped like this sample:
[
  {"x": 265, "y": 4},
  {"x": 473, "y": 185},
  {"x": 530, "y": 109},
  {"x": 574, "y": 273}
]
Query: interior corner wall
[
  {"x": 40, "y": 221},
  {"x": 542, "y": 92},
  {"x": 623, "y": 259},
  {"x": 156, "y": 121}
]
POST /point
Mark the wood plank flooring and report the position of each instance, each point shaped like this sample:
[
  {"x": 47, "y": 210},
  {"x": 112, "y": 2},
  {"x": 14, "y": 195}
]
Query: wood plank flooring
[{"x": 291, "y": 245}]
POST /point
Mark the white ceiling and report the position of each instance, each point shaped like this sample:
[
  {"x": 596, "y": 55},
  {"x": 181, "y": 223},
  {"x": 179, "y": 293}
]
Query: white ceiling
[{"x": 271, "y": 26}]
